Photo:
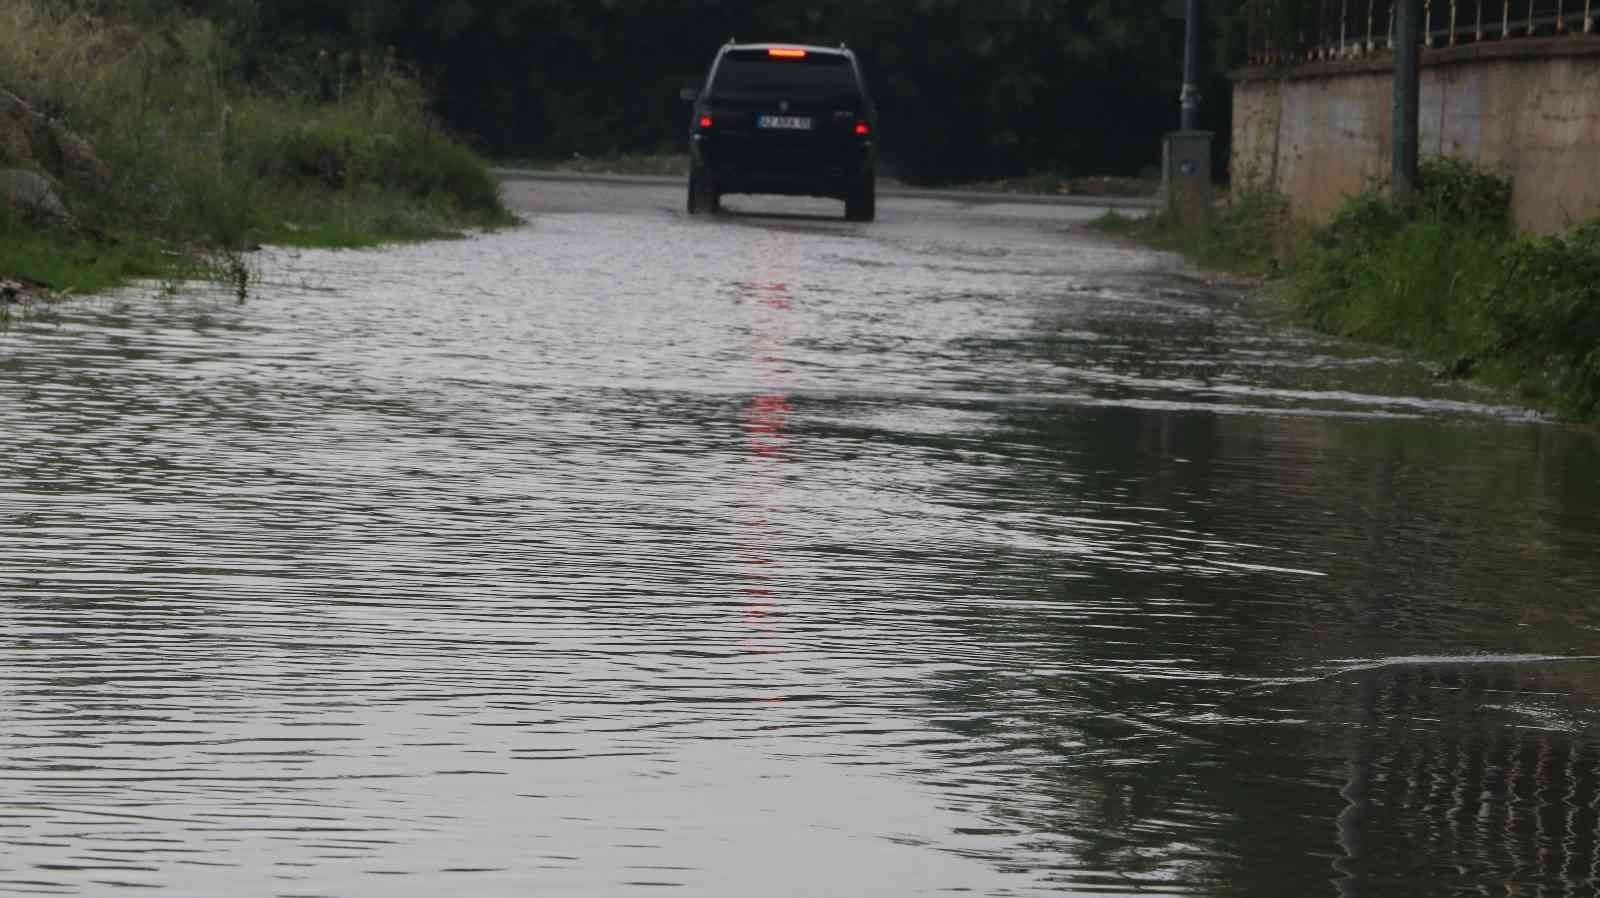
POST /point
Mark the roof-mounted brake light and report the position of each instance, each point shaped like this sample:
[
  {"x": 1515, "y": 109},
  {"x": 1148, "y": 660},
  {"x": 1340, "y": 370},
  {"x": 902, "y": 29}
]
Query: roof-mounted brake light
[{"x": 787, "y": 52}]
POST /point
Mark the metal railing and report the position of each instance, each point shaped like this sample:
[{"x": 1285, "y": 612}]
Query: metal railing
[{"x": 1286, "y": 32}]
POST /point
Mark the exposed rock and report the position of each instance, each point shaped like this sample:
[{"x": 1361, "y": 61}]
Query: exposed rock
[
  {"x": 26, "y": 136},
  {"x": 19, "y": 290},
  {"x": 31, "y": 192}
]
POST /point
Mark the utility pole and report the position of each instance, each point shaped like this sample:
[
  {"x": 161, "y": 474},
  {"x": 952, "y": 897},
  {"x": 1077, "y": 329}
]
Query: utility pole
[
  {"x": 1191, "y": 69},
  {"x": 1186, "y": 153},
  {"x": 1407, "y": 99}
]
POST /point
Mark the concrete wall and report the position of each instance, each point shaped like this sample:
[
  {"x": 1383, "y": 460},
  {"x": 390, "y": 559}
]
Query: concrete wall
[{"x": 1530, "y": 108}]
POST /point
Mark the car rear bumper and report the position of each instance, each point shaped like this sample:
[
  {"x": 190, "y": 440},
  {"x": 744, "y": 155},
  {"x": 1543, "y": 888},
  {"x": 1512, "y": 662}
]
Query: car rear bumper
[{"x": 814, "y": 171}]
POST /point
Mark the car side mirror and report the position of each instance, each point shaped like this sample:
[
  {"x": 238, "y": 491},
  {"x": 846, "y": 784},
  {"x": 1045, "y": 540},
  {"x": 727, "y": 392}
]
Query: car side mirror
[{"x": 689, "y": 94}]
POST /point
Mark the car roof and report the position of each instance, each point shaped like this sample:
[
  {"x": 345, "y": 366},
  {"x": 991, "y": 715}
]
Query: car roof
[{"x": 809, "y": 48}]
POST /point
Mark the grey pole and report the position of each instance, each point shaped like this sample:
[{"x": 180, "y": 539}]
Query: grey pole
[
  {"x": 1191, "y": 69},
  {"x": 1407, "y": 102},
  {"x": 1186, "y": 153}
]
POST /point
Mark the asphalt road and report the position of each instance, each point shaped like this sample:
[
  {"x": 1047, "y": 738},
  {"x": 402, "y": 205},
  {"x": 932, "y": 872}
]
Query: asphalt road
[{"x": 890, "y": 190}]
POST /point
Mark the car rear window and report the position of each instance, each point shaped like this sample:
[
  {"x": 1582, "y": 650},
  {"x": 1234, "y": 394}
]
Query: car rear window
[{"x": 754, "y": 75}]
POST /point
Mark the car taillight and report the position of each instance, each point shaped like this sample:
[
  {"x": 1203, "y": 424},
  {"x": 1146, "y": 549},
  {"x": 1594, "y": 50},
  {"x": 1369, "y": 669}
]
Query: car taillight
[
  {"x": 787, "y": 52},
  {"x": 863, "y": 129}
]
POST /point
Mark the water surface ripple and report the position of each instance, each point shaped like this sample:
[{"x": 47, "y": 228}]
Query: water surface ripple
[{"x": 626, "y": 553}]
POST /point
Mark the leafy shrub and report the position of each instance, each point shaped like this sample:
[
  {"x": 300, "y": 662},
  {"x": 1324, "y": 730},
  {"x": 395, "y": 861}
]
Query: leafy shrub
[
  {"x": 1248, "y": 236},
  {"x": 1543, "y": 314},
  {"x": 1458, "y": 191},
  {"x": 1404, "y": 272},
  {"x": 1447, "y": 276},
  {"x": 1444, "y": 275},
  {"x": 201, "y": 157},
  {"x": 1249, "y": 231}
]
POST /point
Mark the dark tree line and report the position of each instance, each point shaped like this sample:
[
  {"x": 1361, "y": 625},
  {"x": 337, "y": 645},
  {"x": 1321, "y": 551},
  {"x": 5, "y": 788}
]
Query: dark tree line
[{"x": 965, "y": 88}]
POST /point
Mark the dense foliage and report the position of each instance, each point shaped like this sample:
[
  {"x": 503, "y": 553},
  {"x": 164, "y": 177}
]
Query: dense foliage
[
  {"x": 1445, "y": 276},
  {"x": 965, "y": 89},
  {"x": 192, "y": 164}
]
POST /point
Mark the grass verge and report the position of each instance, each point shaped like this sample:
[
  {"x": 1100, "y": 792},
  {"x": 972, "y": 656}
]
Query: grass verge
[
  {"x": 674, "y": 165},
  {"x": 1445, "y": 277},
  {"x": 1053, "y": 184},
  {"x": 1250, "y": 237},
  {"x": 195, "y": 161}
]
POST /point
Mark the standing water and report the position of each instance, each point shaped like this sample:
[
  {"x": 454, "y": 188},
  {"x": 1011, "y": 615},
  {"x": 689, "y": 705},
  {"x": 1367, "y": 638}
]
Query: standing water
[{"x": 628, "y": 553}]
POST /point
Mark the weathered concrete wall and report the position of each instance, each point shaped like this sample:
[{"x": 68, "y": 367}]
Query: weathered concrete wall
[{"x": 1531, "y": 108}]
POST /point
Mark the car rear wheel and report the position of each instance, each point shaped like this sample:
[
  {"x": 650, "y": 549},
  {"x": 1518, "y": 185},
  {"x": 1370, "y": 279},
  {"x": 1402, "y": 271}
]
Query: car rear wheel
[
  {"x": 862, "y": 203},
  {"x": 703, "y": 195}
]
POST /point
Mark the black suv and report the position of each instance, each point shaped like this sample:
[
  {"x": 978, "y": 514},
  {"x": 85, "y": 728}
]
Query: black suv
[{"x": 786, "y": 119}]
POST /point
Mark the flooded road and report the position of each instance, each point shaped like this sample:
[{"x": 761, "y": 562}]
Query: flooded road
[{"x": 627, "y": 553}]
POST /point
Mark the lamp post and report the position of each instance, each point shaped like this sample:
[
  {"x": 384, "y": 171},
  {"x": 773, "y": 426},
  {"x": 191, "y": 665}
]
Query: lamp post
[
  {"x": 1186, "y": 153},
  {"x": 1190, "y": 99}
]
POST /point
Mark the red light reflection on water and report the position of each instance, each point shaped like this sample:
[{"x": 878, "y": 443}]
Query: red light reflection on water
[{"x": 765, "y": 422}]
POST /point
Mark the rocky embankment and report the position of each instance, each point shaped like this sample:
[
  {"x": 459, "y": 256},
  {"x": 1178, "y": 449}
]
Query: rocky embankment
[
  {"x": 39, "y": 158},
  {"x": 41, "y": 162}
]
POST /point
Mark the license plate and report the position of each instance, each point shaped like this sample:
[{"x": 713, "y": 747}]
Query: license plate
[{"x": 785, "y": 122}]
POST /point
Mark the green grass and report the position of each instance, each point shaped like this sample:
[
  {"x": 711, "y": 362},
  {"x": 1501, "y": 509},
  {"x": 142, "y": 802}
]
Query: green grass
[
  {"x": 204, "y": 163},
  {"x": 69, "y": 263},
  {"x": 661, "y": 164},
  {"x": 1249, "y": 237},
  {"x": 1445, "y": 277}
]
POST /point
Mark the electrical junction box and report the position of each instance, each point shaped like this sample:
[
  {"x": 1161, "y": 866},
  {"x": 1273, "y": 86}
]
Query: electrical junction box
[{"x": 1186, "y": 176}]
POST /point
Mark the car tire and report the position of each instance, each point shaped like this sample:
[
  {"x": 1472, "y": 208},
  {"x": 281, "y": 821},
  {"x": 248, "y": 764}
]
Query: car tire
[
  {"x": 703, "y": 195},
  {"x": 862, "y": 203}
]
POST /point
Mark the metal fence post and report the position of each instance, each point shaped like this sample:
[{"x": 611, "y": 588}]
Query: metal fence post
[
  {"x": 1288, "y": 32},
  {"x": 1407, "y": 105}
]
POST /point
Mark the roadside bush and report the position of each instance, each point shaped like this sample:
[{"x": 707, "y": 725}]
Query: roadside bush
[
  {"x": 1457, "y": 191},
  {"x": 342, "y": 155},
  {"x": 203, "y": 159},
  {"x": 1447, "y": 276},
  {"x": 1250, "y": 235},
  {"x": 1543, "y": 315},
  {"x": 1444, "y": 275},
  {"x": 1406, "y": 273},
  {"x": 430, "y": 165}
]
